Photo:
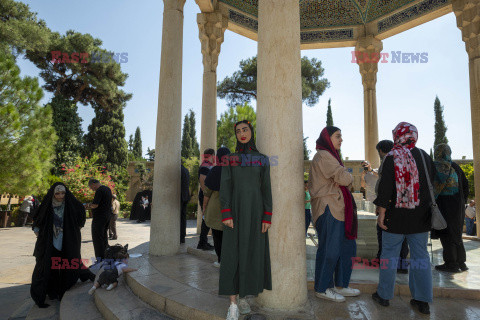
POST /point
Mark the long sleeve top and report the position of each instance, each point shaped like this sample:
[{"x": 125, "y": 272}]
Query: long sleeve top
[{"x": 325, "y": 173}]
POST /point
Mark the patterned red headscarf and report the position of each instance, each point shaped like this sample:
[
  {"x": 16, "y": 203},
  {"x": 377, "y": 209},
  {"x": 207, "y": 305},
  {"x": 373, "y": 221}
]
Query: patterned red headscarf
[
  {"x": 405, "y": 136},
  {"x": 351, "y": 223}
]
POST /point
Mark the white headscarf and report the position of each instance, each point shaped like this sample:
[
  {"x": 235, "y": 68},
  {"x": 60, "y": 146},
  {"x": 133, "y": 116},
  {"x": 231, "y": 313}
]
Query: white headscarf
[{"x": 58, "y": 188}]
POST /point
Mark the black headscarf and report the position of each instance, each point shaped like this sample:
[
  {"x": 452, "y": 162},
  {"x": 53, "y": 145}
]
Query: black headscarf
[
  {"x": 245, "y": 147},
  {"x": 73, "y": 219},
  {"x": 212, "y": 181}
]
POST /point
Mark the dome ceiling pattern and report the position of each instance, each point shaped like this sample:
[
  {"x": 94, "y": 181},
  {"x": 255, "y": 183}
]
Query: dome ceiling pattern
[{"x": 340, "y": 16}]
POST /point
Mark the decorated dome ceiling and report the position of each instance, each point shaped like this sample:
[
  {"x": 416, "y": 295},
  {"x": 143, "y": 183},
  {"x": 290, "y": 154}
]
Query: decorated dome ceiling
[
  {"x": 331, "y": 13},
  {"x": 342, "y": 20}
]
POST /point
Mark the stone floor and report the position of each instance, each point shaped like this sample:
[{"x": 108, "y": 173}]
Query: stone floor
[{"x": 198, "y": 279}]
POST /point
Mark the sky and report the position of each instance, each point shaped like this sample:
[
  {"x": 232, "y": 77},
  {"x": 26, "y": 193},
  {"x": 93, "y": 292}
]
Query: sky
[{"x": 405, "y": 91}]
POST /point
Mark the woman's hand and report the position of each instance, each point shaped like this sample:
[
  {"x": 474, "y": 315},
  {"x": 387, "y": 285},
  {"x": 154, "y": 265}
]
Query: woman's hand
[
  {"x": 381, "y": 218},
  {"x": 265, "y": 227},
  {"x": 228, "y": 223}
]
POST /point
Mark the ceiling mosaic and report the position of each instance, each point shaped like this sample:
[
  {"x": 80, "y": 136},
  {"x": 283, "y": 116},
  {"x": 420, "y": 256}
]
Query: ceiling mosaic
[{"x": 331, "y": 13}]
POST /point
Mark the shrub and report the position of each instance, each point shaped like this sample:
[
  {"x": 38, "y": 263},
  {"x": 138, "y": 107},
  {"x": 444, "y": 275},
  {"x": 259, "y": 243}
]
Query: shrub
[
  {"x": 468, "y": 170},
  {"x": 125, "y": 209},
  {"x": 191, "y": 211}
]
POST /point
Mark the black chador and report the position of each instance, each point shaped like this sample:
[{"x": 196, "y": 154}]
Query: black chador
[{"x": 57, "y": 250}]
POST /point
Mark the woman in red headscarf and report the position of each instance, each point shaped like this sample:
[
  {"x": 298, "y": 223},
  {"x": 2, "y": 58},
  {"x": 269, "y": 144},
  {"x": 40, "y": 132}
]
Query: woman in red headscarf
[
  {"x": 334, "y": 217},
  {"x": 403, "y": 207}
]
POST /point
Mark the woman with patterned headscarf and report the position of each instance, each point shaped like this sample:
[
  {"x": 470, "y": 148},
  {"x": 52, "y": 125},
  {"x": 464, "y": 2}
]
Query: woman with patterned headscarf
[
  {"x": 451, "y": 190},
  {"x": 57, "y": 224},
  {"x": 403, "y": 207}
]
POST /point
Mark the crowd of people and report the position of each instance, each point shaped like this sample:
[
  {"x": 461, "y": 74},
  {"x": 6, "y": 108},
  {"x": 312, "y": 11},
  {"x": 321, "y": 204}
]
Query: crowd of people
[{"x": 235, "y": 199}]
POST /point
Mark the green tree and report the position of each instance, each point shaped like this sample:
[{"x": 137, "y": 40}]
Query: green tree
[
  {"x": 150, "y": 154},
  {"x": 241, "y": 87},
  {"x": 20, "y": 29},
  {"x": 440, "y": 127},
  {"x": 106, "y": 137},
  {"x": 468, "y": 170},
  {"x": 130, "y": 143},
  {"x": 68, "y": 127},
  {"x": 88, "y": 82},
  {"x": 193, "y": 135},
  {"x": 137, "y": 144},
  {"x": 329, "y": 114},
  {"x": 27, "y": 137},
  {"x": 306, "y": 152},
  {"x": 187, "y": 149},
  {"x": 225, "y": 134},
  {"x": 190, "y": 146}
]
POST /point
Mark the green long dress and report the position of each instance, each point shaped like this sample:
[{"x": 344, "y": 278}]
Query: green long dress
[{"x": 245, "y": 197}]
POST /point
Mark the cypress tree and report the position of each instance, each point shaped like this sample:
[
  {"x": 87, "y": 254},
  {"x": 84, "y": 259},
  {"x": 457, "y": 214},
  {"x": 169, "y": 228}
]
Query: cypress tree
[
  {"x": 329, "y": 114},
  {"x": 195, "y": 149},
  {"x": 68, "y": 127},
  {"x": 106, "y": 137},
  {"x": 440, "y": 127},
  {"x": 137, "y": 144},
  {"x": 186, "y": 139}
]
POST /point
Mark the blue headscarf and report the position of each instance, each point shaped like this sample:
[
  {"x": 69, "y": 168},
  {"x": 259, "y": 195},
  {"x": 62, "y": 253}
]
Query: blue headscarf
[
  {"x": 212, "y": 181},
  {"x": 446, "y": 179}
]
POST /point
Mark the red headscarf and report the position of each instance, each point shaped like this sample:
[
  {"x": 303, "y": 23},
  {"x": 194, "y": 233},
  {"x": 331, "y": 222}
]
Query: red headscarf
[
  {"x": 405, "y": 136},
  {"x": 351, "y": 223}
]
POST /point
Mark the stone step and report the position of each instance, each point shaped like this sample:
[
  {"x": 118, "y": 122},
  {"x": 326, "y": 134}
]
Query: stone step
[
  {"x": 176, "y": 299},
  {"x": 122, "y": 304},
  {"x": 77, "y": 304},
  {"x": 22, "y": 312},
  {"x": 50, "y": 313}
]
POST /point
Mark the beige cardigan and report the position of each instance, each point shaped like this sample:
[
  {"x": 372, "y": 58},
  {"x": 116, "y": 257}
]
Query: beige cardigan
[{"x": 325, "y": 173}]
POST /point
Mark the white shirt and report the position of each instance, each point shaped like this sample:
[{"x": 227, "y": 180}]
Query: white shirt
[
  {"x": 120, "y": 266},
  {"x": 470, "y": 212}
]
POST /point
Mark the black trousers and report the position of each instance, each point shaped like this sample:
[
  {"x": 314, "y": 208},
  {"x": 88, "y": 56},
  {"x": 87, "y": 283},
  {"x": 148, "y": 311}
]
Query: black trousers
[
  {"x": 203, "y": 234},
  {"x": 217, "y": 242},
  {"x": 454, "y": 253},
  {"x": 183, "y": 221},
  {"x": 112, "y": 229},
  {"x": 403, "y": 251},
  {"x": 100, "y": 226}
]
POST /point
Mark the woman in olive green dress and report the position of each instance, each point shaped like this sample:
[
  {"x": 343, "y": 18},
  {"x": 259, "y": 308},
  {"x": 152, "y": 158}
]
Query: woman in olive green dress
[{"x": 246, "y": 202}]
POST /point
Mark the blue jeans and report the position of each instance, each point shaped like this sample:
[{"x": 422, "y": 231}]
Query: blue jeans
[
  {"x": 334, "y": 253},
  {"x": 470, "y": 224},
  {"x": 308, "y": 219},
  {"x": 420, "y": 273}
]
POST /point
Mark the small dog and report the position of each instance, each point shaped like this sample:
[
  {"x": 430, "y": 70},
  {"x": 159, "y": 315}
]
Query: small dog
[{"x": 113, "y": 266}]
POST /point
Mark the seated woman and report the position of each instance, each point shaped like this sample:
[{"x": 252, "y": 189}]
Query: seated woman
[
  {"x": 334, "y": 217},
  {"x": 57, "y": 225}
]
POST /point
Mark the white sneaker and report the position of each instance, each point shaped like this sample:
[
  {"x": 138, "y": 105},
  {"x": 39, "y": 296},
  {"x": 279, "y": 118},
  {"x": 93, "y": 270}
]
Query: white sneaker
[
  {"x": 233, "y": 313},
  {"x": 92, "y": 290},
  {"x": 110, "y": 287},
  {"x": 347, "y": 292},
  {"x": 331, "y": 295},
  {"x": 216, "y": 264},
  {"x": 243, "y": 306}
]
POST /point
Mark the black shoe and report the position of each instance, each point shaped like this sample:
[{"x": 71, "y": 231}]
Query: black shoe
[
  {"x": 113, "y": 238},
  {"x": 421, "y": 306},
  {"x": 403, "y": 271},
  {"x": 209, "y": 247},
  {"x": 447, "y": 268},
  {"x": 380, "y": 300},
  {"x": 138, "y": 221},
  {"x": 205, "y": 247},
  {"x": 463, "y": 267},
  {"x": 182, "y": 240},
  {"x": 43, "y": 305}
]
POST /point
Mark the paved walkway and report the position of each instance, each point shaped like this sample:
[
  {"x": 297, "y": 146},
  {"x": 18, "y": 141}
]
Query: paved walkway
[{"x": 17, "y": 262}]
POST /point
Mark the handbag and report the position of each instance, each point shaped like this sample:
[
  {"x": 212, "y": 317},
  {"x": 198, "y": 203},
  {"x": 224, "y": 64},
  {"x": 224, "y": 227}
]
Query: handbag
[{"x": 438, "y": 222}]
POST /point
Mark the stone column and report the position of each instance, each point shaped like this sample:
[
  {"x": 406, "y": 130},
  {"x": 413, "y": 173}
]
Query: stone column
[
  {"x": 165, "y": 224},
  {"x": 468, "y": 21},
  {"x": 211, "y": 28},
  {"x": 368, "y": 54},
  {"x": 279, "y": 136}
]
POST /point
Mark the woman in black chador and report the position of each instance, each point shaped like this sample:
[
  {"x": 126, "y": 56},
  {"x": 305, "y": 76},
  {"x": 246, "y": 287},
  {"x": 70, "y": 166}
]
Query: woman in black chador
[{"x": 57, "y": 224}]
